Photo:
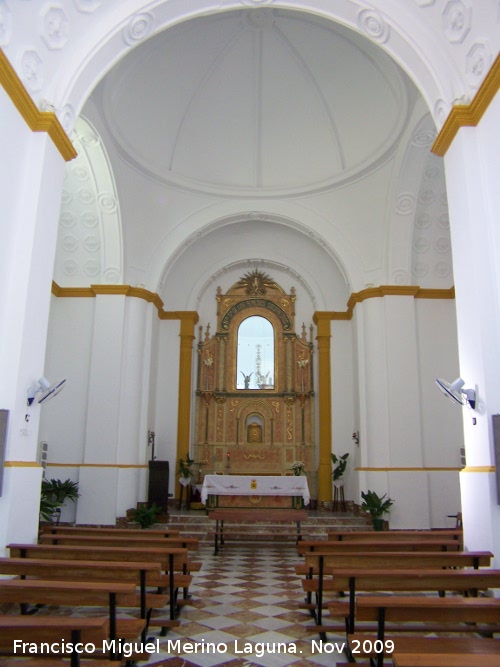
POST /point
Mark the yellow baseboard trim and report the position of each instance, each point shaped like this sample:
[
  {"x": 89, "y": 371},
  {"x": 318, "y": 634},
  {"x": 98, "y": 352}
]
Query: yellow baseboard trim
[
  {"x": 21, "y": 464},
  {"x": 482, "y": 469},
  {"x": 410, "y": 469},
  {"x": 139, "y": 466}
]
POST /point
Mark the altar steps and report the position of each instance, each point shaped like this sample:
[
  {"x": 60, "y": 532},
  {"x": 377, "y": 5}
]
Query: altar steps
[{"x": 316, "y": 527}]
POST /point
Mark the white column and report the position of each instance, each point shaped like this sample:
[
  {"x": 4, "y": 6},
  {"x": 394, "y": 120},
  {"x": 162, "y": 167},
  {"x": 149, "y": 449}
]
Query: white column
[
  {"x": 472, "y": 166},
  {"x": 31, "y": 175},
  {"x": 390, "y": 422},
  {"x": 114, "y": 473}
]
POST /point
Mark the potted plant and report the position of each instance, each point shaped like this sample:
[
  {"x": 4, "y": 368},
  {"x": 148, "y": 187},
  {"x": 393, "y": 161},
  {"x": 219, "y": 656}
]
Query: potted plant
[
  {"x": 54, "y": 494},
  {"x": 339, "y": 465},
  {"x": 145, "y": 514},
  {"x": 185, "y": 468},
  {"x": 297, "y": 467},
  {"x": 377, "y": 506}
]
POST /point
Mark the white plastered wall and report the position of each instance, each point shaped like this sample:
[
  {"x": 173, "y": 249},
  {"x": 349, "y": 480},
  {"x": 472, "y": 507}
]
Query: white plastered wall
[{"x": 402, "y": 341}]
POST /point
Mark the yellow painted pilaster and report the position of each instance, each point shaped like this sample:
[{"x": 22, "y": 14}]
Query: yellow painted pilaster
[
  {"x": 322, "y": 321},
  {"x": 188, "y": 321}
]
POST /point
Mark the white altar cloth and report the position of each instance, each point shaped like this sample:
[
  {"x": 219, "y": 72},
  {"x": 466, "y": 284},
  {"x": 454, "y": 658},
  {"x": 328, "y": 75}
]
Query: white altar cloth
[{"x": 255, "y": 485}]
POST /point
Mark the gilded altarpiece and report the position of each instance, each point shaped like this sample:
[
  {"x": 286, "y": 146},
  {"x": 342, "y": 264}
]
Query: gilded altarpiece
[{"x": 255, "y": 419}]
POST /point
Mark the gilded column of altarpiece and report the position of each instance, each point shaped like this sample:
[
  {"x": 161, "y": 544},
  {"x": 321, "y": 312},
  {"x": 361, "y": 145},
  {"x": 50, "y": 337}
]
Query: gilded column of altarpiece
[{"x": 254, "y": 415}]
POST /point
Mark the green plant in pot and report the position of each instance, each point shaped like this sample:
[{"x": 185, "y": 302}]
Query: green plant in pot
[
  {"x": 185, "y": 467},
  {"x": 377, "y": 506},
  {"x": 146, "y": 514},
  {"x": 54, "y": 494},
  {"x": 339, "y": 465}
]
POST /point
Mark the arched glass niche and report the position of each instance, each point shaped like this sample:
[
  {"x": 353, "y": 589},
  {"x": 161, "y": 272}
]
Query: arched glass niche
[{"x": 255, "y": 354}]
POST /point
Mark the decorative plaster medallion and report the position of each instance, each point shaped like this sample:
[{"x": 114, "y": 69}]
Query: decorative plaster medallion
[
  {"x": 442, "y": 245},
  {"x": 432, "y": 173},
  {"x": 405, "y": 204},
  {"x": 107, "y": 202},
  {"x": 55, "y": 27},
  {"x": 423, "y": 221},
  {"x": 400, "y": 277},
  {"x": 88, "y": 219},
  {"x": 424, "y": 138},
  {"x": 92, "y": 244},
  {"x": 92, "y": 267},
  {"x": 420, "y": 269},
  {"x": 66, "y": 117},
  {"x": 66, "y": 197},
  {"x": 457, "y": 21},
  {"x": 139, "y": 27},
  {"x": 477, "y": 63},
  {"x": 442, "y": 269},
  {"x": 87, "y": 6},
  {"x": 67, "y": 219},
  {"x": 444, "y": 221},
  {"x": 70, "y": 267},
  {"x": 441, "y": 112},
  {"x": 70, "y": 243},
  {"x": 426, "y": 197},
  {"x": 32, "y": 70},
  {"x": 111, "y": 276},
  {"x": 90, "y": 139},
  {"x": 85, "y": 196},
  {"x": 374, "y": 25},
  {"x": 259, "y": 18},
  {"x": 256, "y": 3},
  {"x": 5, "y": 23},
  {"x": 80, "y": 173},
  {"x": 421, "y": 245}
]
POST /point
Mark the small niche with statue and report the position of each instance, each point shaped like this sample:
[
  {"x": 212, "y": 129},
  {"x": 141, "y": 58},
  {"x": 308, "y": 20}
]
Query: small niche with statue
[{"x": 254, "y": 398}]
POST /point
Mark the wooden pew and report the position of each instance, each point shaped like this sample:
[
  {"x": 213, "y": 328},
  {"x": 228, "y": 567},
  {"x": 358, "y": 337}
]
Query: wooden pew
[
  {"x": 324, "y": 561},
  {"x": 416, "y": 580},
  {"x": 190, "y": 543},
  {"x": 172, "y": 560},
  {"x": 222, "y": 515},
  {"x": 338, "y": 546},
  {"x": 74, "y": 594},
  {"x": 321, "y": 563},
  {"x": 53, "y": 629},
  {"x": 398, "y": 535},
  {"x": 54, "y": 529},
  {"x": 141, "y": 574},
  {"x": 426, "y": 610}
]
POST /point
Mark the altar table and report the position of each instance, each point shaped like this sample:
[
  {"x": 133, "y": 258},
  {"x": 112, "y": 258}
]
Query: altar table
[{"x": 255, "y": 485}]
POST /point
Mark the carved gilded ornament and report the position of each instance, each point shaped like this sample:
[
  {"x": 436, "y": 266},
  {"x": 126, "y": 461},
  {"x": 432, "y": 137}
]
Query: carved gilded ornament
[{"x": 257, "y": 283}]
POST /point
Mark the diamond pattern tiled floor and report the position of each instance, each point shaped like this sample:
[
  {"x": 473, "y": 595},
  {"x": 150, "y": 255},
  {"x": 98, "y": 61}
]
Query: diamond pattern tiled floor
[
  {"x": 247, "y": 598},
  {"x": 246, "y": 601}
]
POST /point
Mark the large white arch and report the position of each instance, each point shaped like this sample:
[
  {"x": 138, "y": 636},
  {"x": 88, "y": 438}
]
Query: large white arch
[
  {"x": 209, "y": 219},
  {"x": 440, "y": 45}
]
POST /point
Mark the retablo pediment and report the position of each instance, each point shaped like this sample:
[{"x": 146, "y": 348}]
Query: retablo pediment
[{"x": 256, "y": 290}]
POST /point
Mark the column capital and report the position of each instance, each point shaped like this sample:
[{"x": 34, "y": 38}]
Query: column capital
[{"x": 322, "y": 321}]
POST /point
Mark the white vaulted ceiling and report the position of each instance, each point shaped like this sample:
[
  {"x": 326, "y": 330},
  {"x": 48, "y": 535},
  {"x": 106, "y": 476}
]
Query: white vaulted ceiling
[
  {"x": 270, "y": 115},
  {"x": 259, "y": 102}
]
